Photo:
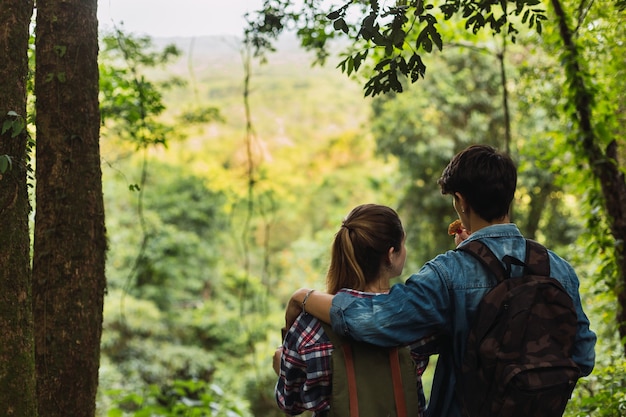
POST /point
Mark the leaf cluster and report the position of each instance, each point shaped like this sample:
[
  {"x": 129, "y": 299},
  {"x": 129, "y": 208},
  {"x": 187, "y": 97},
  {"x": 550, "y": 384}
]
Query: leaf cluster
[
  {"x": 130, "y": 102},
  {"x": 402, "y": 32},
  {"x": 14, "y": 125},
  {"x": 188, "y": 398},
  {"x": 603, "y": 394}
]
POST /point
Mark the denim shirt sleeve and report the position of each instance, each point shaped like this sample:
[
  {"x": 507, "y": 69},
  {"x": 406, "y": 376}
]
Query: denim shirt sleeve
[
  {"x": 584, "y": 346},
  {"x": 390, "y": 319},
  {"x": 429, "y": 303}
]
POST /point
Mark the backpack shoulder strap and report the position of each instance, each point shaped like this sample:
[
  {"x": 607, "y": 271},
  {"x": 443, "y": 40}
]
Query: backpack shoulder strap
[
  {"x": 348, "y": 355},
  {"x": 396, "y": 377},
  {"x": 481, "y": 251},
  {"x": 537, "y": 259}
]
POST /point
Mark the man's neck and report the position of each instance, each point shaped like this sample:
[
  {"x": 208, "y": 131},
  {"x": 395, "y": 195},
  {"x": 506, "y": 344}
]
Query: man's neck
[{"x": 477, "y": 222}]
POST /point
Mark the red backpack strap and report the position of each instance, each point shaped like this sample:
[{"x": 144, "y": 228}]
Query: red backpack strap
[
  {"x": 354, "y": 399},
  {"x": 396, "y": 376}
]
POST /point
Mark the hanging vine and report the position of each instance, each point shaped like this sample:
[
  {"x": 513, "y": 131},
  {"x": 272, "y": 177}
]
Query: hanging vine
[
  {"x": 133, "y": 103},
  {"x": 260, "y": 203},
  {"x": 256, "y": 203}
]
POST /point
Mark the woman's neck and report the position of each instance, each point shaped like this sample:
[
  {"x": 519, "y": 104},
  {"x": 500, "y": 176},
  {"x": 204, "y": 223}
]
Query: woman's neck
[{"x": 380, "y": 286}]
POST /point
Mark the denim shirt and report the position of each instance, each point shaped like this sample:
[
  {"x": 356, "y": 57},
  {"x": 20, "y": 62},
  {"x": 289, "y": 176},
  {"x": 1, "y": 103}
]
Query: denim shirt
[{"x": 442, "y": 298}]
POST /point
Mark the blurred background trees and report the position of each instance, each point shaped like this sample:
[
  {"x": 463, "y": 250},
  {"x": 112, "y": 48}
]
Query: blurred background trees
[
  {"x": 225, "y": 179},
  {"x": 318, "y": 149}
]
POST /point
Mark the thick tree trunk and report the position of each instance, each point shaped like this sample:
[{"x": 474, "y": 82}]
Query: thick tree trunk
[
  {"x": 17, "y": 360},
  {"x": 604, "y": 163},
  {"x": 69, "y": 247}
]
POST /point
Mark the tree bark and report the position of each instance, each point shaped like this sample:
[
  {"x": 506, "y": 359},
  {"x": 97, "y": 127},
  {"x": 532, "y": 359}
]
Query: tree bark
[
  {"x": 537, "y": 205},
  {"x": 70, "y": 245},
  {"x": 17, "y": 360},
  {"x": 604, "y": 163}
]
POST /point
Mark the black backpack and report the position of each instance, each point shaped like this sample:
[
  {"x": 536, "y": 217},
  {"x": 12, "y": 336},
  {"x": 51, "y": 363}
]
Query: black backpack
[
  {"x": 371, "y": 381},
  {"x": 518, "y": 359}
]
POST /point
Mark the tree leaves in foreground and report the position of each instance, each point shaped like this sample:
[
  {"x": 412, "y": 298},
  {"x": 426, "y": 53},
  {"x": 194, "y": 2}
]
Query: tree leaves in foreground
[{"x": 394, "y": 38}]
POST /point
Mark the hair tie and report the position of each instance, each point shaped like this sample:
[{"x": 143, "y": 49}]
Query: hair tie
[{"x": 344, "y": 225}]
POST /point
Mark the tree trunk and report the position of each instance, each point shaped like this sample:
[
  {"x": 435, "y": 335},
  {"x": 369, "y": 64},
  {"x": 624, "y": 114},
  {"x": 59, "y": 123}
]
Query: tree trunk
[
  {"x": 604, "y": 163},
  {"x": 17, "y": 360},
  {"x": 538, "y": 202},
  {"x": 70, "y": 245}
]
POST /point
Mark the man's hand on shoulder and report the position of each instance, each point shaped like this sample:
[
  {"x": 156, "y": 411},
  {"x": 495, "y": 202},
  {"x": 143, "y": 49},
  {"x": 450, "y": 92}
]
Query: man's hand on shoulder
[
  {"x": 316, "y": 303},
  {"x": 294, "y": 306}
]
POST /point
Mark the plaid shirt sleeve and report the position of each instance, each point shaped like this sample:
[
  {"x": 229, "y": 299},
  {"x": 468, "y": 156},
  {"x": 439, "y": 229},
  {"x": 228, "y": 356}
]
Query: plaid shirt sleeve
[
  {"x": 305, "y": 377},
  {"x": 420, "y": 352}
]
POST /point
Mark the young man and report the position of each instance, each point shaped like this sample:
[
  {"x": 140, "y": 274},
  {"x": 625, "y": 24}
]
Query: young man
[{"x": 443, "y": 296}]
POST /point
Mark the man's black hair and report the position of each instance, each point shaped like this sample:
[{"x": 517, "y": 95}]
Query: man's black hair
[{"x": 486, "y": 179}]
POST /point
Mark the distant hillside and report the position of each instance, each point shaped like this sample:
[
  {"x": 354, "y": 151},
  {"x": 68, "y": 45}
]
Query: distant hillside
[
  {"x": 208, "y": 49},
  {"x": 288, "y": 96}
]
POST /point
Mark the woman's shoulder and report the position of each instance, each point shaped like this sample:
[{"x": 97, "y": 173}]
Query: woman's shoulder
[{"x": 356, "y": 293}]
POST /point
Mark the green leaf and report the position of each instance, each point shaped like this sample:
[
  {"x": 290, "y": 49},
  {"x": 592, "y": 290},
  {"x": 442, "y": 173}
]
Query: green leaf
[
  {"x": 436, "y": 37},
  {"x": 350, "y": 65},
  {"x": 5, "y": 163},
  {"x": 334, "y": 15},
  {"x": 341, "y": 25},
  {"x": 60, "y": 50},
  {"x": 343, "y": 64},
  {"x": 17, "y": 127},
  {"x": 344, "y": 27},
  {"x": 398, "y": 37},
  {"x": 423, "y": 40},
  {"x": 6, "y": 125},
  {"x": 358, "y": 59}
]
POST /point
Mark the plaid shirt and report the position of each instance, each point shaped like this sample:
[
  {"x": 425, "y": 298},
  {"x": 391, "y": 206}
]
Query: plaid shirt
[{"x": 305, "y": 376}]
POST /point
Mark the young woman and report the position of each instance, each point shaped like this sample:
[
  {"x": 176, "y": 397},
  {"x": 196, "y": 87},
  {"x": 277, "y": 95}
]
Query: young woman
[{"x": 368, "y": 250}]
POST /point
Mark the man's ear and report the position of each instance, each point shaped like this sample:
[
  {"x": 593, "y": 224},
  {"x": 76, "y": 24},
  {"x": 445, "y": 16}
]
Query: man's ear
[{"x": 461, "y": 203}]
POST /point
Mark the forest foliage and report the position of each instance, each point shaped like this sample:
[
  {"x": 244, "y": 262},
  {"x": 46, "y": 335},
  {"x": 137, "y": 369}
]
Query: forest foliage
[{"x": 217, "y": 208}]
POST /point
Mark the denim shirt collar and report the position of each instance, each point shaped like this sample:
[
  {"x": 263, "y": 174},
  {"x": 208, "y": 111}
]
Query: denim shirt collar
[{"x": 495, "y": 231}]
